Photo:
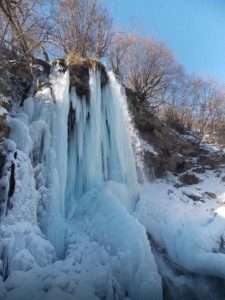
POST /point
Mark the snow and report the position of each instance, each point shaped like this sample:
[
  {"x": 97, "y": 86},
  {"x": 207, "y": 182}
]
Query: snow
[
  {"x": 147, "y": 147},
  {"x": 27, "y": 242},
  {"x": 23, "y": 200},
  {"x": 3, "y": 111},
  {"x": 124, "y": 241},
  {"x": 20, "y": 132},
  {"x": 191, "y": 233},
  {"x": 190, "y": 137},
  {"x": 211, "y": 148},
  {"x": 4, "y": 99}
]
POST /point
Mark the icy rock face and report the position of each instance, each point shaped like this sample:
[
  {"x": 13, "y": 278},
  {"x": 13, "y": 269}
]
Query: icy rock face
[
  {"x": 40, "y": 133},
  {"x": 70, "y": 187}
]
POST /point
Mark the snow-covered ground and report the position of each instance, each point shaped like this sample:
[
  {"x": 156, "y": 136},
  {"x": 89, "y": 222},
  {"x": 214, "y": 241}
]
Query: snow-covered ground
[
  {"x": 147, "y": 147},
  {"x": 186, "y": 224}
]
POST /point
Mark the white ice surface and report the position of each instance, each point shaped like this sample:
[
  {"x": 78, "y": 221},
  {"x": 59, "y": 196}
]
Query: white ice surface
[
  {"x": 108, "y": 255},
  {"x": 147, "y": 147},
  {"x": 3, "y": 111},
  {"x": 190, "y": 232}
]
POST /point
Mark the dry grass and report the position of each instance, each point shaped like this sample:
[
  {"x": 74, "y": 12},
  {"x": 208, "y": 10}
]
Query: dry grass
[
  {"x": 189, "y": 179},
  {"x": 74, "y": 59}
]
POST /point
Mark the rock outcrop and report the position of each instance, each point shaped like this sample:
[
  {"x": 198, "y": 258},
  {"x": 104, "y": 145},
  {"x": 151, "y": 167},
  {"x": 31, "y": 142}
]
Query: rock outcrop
[
  {"x": 172, "y": 152},
  {"x": 79, "y": 68}
]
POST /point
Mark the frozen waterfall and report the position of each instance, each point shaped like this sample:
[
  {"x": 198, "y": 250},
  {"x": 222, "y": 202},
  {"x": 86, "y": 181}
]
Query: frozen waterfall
[
  {"x": 69, "y": 215},
  {"x": 99, "y": 142}
]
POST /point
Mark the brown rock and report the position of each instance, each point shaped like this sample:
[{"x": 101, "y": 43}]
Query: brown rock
[
  {"x": 189, "y": 179},
  {"x": 210, "y": 195},
  {"x": 213, "y": 160},
  {"x": 174, "y": 152},
  {"x": 79, "y": 73},
  {"x": 194, "y": 197},
  {"x": 4, "y": 129}
]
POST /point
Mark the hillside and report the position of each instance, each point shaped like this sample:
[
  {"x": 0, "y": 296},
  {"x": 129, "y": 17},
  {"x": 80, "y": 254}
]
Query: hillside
[{"x": 182, "y": 208}]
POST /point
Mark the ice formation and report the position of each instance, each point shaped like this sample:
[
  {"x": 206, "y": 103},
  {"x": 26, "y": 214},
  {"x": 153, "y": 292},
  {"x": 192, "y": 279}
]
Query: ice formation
[
  {"x": 99, "y": 146},
  {"x": 69, "y": 188}
]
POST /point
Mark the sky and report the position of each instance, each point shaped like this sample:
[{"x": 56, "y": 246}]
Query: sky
[{"x": 193, "y": 29}]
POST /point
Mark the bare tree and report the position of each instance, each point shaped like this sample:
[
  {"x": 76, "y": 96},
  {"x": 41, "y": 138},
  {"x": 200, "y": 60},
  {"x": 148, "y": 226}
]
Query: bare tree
[
  {"x": 198, "y": 105},
  {"x": 145, "y": 65},
  {"x": 210, "y": 106},
  {"x": 118, "y": 53},
  {"x": 23, "y": 40},
  {"x": 26, "y": 26},
  {"x": 82, "y": 26}
]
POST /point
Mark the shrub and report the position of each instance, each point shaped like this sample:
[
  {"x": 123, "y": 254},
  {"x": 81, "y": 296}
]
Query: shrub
[{"x": 172, "y": 119}]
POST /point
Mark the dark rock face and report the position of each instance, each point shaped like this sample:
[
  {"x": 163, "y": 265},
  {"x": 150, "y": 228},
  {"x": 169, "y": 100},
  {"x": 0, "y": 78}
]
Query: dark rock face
[
  {"x": 195, "y": 198},
  {"x": 174, "y": 152},
  {"x": 79, "y": 75},
  {"x": 16, "y": 78},
  {"x": 2, "y": 161},
  {"x": 199, "y": 170},
  {"x": 4, "y": 133},
  {"x": 4, "y": 129},
  {"x": 210, "y": 195},
  {"x": 79, "y": 68}
]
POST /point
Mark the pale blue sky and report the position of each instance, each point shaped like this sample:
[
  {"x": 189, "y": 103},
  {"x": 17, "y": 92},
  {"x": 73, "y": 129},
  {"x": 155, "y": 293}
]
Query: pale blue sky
[{"x": 193, "y": 29}]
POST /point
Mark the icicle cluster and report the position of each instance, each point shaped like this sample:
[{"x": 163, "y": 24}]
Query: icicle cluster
[{"x": 99, "y": 144}]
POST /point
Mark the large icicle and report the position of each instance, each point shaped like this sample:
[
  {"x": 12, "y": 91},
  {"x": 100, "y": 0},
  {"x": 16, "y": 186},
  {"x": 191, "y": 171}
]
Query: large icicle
[
  {"x": 99, "y": 144},
  {"x": 58, "y": 161}
]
